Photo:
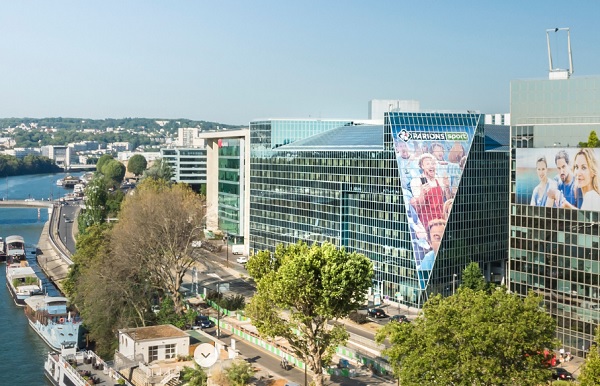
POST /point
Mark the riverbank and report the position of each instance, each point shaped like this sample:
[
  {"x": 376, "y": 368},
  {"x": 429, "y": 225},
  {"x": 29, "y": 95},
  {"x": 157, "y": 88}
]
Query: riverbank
[{"x": 49, "y": 258}]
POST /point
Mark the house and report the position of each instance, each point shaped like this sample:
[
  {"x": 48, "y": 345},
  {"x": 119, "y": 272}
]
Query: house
[{"x": 154, "y": 343}]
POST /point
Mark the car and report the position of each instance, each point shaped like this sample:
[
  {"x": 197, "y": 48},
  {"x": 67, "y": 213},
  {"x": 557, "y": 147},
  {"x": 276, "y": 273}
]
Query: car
[
  {"x": 203, "y": 321},
  {"x": 242, "y": 259},
  {"x": 376, "y": 313},
  {"x": 68, "y": 220},
  {"x": 560, "y": 374},
  {"x": 400, "y": 319}
]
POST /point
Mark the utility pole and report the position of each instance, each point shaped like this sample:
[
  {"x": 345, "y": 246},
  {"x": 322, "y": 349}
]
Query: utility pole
[{"x": 453, "y": 284}]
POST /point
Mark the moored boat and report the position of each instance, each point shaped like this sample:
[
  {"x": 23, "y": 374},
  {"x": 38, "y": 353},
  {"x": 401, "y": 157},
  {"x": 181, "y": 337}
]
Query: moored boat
[
  {"x": 52, "y": 320},
  {"x": 79, "y": 368},
  {"x": 2, "y": 251},
  {"x": 22, "y": 281},
  {"x": 15, "y": 248}
]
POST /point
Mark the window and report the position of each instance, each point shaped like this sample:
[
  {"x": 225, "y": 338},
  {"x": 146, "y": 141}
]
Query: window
[
  {"x": 152, "y": 353},
  {"x": 170, "y": 351}
]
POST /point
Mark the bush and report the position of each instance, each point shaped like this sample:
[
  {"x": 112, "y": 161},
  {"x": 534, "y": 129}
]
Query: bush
[
  {"x": 231, "y": 303},
  {"x": 357, "y": 317},
  {"x": 239, "y": 373}
]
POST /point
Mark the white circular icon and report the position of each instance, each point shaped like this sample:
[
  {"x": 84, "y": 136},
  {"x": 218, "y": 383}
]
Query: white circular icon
[{"x": 206, "y": 355}]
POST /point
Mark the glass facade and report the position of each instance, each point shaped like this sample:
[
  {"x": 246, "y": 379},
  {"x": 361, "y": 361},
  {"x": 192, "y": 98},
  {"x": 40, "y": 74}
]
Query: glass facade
[
  {"x": 554, "y": 214},
  {"x": 230, "y": 187},
  {"x": 320, "y": 184}
]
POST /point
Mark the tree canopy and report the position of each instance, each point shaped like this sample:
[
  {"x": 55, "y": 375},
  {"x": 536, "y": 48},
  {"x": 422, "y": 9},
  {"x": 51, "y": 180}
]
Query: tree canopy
[
  {"x": 312, "y": 285},
  {"x": 114, "y": 171},
  {"x": 473, "y": 278},
  {"x": 473, "y": 338},
  {"x": 106, "y": 158},
  {"x": 159, "y": 170},
  {"x": 590, "y": 372},
  {"x": 157, "y": 225},
  {"x": 137, "y": 164}
]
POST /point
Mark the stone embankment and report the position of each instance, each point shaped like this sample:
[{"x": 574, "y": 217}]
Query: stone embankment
[{"x": 53, "y": 258}]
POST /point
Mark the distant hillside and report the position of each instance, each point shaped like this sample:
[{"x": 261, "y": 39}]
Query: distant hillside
[{"x": 148, "y": 124}]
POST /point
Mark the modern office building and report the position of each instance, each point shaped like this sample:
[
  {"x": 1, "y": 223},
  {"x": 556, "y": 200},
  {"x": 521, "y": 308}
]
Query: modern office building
[
  {"x": 422, "y": 195},
  {"x": 188, "y": 165},
  {"x": 62, "y": 155},
  {"x": 228, "y": 188},
  {"x": 555, "y": 201}
]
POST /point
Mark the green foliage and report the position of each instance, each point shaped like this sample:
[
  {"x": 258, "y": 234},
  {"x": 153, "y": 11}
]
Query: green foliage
[
  {"x": 102, "y": 161},
  {"x": 592, "y": 139},
  {"x": 472, "y": 338},
  {"x": 195, "y": 376},
  {"x": 95, "y": 212},
  {"x": 113, "y": 202},
  {"x": 239, "y": 373},
  {"x": 114, "y": 171},
  {"x": 168, "y": 315},
  {"x": 473, "y": 278},
  {"x": 160, "y": 170},
  {"x": 357, "y": 317},
  {"x": 313, "y": 285},
  {"x": 137, "y": 164},
  {"x": 590, "y": 372},
  {"x": 30, "y": 164},
  {"x": 231, "y": 302}
]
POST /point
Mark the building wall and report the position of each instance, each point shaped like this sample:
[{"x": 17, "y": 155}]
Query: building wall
[
  {"x": 188, "y": 164},
  {"x": 354, "y": 200},
  {"x": 554, "y": 250}
]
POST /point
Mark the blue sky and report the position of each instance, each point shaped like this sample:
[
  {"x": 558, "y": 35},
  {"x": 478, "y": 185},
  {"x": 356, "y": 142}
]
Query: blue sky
[{"x": 234, "y": 61}]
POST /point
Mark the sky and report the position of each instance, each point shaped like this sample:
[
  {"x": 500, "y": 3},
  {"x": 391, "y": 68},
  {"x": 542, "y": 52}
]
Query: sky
[{"x": 236, "y": 61}]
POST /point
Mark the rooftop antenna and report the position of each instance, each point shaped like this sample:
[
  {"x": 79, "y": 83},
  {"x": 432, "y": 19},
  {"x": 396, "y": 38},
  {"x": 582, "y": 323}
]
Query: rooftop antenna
[{"x": 559, "y": 73}]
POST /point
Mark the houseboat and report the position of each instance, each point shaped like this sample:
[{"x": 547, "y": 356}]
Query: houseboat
[
  {"x": 80, "y": 368},
  {"x": 22, "y": 281},
  {"x": 15, "y": 248},
  {"x": 53, "y": 321},
  {"x": 2, "y": 250}
]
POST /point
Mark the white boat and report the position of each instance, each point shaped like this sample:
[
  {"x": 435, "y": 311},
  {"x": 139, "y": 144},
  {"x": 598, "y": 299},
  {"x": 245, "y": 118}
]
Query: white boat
[
  {"x": 22, "y": 281},
  {"x": 80, "y": 368},
  {"x": 51, "y": 319},
  {"x": 15, "y": 248},
  {"x": 2, "y": 250},
  {"x": 59, "y": 182}
]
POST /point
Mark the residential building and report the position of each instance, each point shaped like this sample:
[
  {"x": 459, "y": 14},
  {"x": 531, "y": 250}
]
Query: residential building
[
  {"x": 555, "y": 201},
  {"x": 352, "y": 183},
  {"x": 21, "y": 152},
  {"x": 189, "y": 137},
  {"x": 62, "y": 155}
]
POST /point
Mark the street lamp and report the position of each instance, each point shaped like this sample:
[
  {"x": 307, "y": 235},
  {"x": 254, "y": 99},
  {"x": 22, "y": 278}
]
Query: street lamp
[
  {"x": 453, "y": 284},
  {"x": 218, "y": 312},
  {"x": 227, "y": 247}
]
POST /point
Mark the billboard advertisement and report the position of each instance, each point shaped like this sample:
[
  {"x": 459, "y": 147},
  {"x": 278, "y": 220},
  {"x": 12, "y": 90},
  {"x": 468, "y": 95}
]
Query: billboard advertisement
[
  {"x": 430, "y": 161},
  {"x": 558, "y": 178}
]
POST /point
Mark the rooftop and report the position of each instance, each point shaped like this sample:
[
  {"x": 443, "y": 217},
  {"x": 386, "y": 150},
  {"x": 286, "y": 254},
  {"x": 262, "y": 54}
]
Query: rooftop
[{"x": 154, "y": 332}]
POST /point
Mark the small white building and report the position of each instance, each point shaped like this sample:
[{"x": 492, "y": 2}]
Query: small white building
[{"x": 154, "y": 343}]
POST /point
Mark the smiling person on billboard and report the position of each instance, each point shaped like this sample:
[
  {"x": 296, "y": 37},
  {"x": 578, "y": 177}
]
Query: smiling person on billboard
[
  {"x": 567, "y": 194},
  {"x": 585, "y": 170},
  {"x": 429, "y": 192},
  {"x": 539, "y": 197}
]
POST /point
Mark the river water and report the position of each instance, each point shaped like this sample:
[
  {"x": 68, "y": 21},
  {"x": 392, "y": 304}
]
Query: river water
[{"x": 22, "y": 351}]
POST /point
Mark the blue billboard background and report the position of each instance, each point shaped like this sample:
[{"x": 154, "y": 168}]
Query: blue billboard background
[{"x": 431, "y": 160}]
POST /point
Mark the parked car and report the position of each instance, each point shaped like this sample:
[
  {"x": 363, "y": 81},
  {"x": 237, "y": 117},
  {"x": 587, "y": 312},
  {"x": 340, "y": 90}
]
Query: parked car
[
  {"x": 561, "y": 374},
  {"x": 242, "y": 259},
  {"x": 203, "y": 321},
  {"x": 400, "y": 319},
  {"x": 376, "y": 313}
]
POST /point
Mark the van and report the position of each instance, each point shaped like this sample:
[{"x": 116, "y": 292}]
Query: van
[{"x": 237, "y": 249}]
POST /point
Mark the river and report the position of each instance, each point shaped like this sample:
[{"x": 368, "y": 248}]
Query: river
[{"x": 22, "y": 351}]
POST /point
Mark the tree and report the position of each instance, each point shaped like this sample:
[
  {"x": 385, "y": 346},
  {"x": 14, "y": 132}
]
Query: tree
[
  {"x": 114, "y": 171},
  {"x": 157, "y": 225},
  {"x": 159, "y": 170},
  {"x": 473, "y": 338},
  {"x": 137, "y": 164},
  {"x": 195, "y": 376},
  {"x": 239, "y": 373},
  {"x": 590, "y": 372},
  {"x": 313, "y": 285},
  {"x": 592, "y": 139},
  {"x": 106, "y": 158},
  {"x": 473, "y": 278},
  {"x": 95, "y": 204}
]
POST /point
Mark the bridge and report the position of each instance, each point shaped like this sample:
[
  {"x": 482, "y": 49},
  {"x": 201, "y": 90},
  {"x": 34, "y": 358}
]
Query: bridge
[
  {"x": 26, "y": 204},
  {"x": 80, "y": 168}
]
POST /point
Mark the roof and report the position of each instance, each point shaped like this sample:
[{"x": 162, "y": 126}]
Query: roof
[
  {"x": 497, "y": 138},
  {"x": 344, "y": 138},
  {"x": 42, "y": 302},
  {"x": 154, "y": 332},
  {"x": 14, "y": 239}
]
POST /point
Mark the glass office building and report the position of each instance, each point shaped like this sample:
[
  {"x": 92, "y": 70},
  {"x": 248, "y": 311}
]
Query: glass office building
[
  {"x": 361, "y": 187},
  {"x": 231, "y": 188},
  {"x": 555, "y": 202},
  {"x": 188, "y": 164}
]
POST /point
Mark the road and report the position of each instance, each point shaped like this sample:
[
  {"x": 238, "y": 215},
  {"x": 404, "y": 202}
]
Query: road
[{"x": 65, "y": 225}]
